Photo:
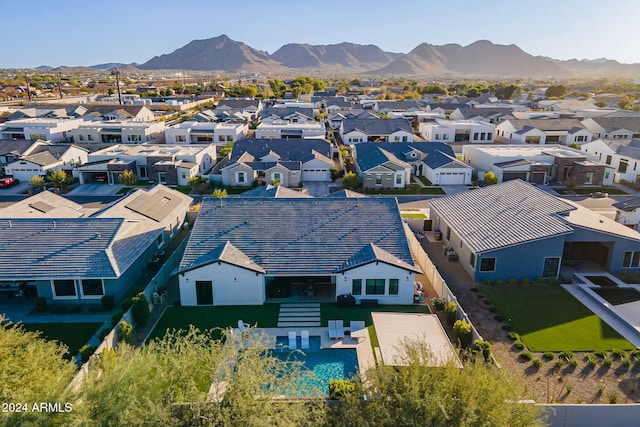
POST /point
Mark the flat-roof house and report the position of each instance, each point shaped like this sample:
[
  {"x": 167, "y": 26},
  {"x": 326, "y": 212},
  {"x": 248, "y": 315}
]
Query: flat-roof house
[
  {"x": 391, "y": 164},
  {"x": 251, "y": 108},
  {"x": 46, "y": 129},
  {"x": 516, "y": 230},
  {"x": 194, "y": 132},
  {"x": 70, "y": 256},
  {"x": 292, "y": 127},
  {"x": 538, "y": 164},
  {"x": 256, "y": 250},
  {"x": 543, "y": 131},
  {"x": 621, "y": 154},
  {"x": 474, "y": 131},
  {"x": 118, "y": 131},
  {"x": 289, "y": 161},
  {"x": 354, "y": 131}
]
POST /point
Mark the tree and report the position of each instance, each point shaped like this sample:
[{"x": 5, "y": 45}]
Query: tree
[
  {"x": 416, "y": 394},
  {"x": 351, "y": 181},
  {"x": 33, "y": 370},
  {"x": 59, "y": 178},
  {"x": 194, "y": 181},
  {"x": 227, "y": 149},
  {"x": 490, "y": 178},
  {"x": 555, "y": 91},
  {"x": 220, "y": 193},
  {"x": 37, "y": 182},
  {"x": 190, "y": 378},
  {"x": 128, "y": 178},
  {"x": 276, "y": 182},
  {"x": 601, "y": 104}
]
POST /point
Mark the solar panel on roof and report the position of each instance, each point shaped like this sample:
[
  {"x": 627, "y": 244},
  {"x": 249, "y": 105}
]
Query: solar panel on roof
[
  {"x": 155, "y": 206},
  {"x": 41, "y": 206}
]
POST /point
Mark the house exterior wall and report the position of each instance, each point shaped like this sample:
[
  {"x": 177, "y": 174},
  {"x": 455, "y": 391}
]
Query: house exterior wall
[
  {"x": 231, "y": 285},
  {"x": 287, "y": 179},
  {"x": 617, "y": 246},
  {"x": 386, "y": 178},
  {"x": 434, "y": 175},
  {"x": 400, "y": 136},
  {"x": 630, "y": 218},
  {"x": 354, "y": 137},
  {"x": 229, "y": 176},
  {"x": 322, "y": 171},
  {"x": 344, "y": 283},
  {"x": 24, "y": 170}
]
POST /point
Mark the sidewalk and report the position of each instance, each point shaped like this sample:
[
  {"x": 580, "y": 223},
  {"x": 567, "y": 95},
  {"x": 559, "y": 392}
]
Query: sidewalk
[{"x": 140, "y": 333}]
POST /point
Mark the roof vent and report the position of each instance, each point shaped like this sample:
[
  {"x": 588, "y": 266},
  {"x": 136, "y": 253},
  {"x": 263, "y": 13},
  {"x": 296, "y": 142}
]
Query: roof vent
[
  {"x": 54, "y": 224},
  {"x": 98, "y": 234},
  {"x": 10, "y": 224}
]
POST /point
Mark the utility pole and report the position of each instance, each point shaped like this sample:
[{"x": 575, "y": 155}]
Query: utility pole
[
  {"x": 26, "y": 77},
  {"x": 59, "y": 86},
  {"x": 116, "y": 72}
]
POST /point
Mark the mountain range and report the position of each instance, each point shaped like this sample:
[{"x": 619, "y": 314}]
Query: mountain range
[{"x": 481, "y": 58}]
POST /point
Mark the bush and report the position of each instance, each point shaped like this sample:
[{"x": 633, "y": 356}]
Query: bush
[
  {"x": 40, "y": 304},
  {"x": 499, "y": 282},
  {"x": 601, "y": 354},
  {"x": 539, "y": 280},
  {"x": 115, "y": 318},
  {"x": 125, "y": 331},
  {"x": 591, "y": 359},
  {"x": 549, "y": 355},
  {"x": 126, "y": 304},
  {"x": 482, "y": 347},
  {"x": 537, "y": 362},
  {"x": 439, "y": 303},
  {"x": 607, "y": 361},
  {"x": 462, "y": 333},
  {"x": 499, "y": 317},
  {"x": 526, "y": 281},
  {"x": 514, "y": 336},
  {"x": 486, "y": 282},
  {"x": 140, "y": 309},
  {"x": 76, "y": 309},
  {"x": 513, "y": 282},
  {"x": 553, "y": 281},
  {"x": 107, "y": 302},
  {"x": 635, "y": 355},
  {"x": 566, "y": 355},
  {"x": 340, "y": 389},
  {"x": 519, "y": 345},
  {"x": 58, "y": 309},
  {"x": 86, "y": 351},
  {"x": 507, "y": 327},
  {"x": 451, "y": 313},
  {"x": 493, "y": 309},
  {"x": 475, "y": 289},
  {"x": 618, "y": 354},
  {"x": 526, "y": 355}
]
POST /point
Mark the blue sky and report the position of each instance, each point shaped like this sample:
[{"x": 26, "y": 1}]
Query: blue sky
[{"x": 81, "y": 32}]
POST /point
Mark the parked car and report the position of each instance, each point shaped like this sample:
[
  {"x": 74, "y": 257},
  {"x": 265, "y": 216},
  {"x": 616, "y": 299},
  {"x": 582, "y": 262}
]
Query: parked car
[
  {"x": 599, "y": 195},
  {"x": 8, "y": 182}
]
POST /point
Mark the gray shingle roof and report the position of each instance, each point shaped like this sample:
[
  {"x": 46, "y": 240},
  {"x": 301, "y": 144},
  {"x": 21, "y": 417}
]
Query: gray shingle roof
[
  {"x": 369, "y": 154},
  {"x": 376, "y": 126},
  {"x": 547, "y": 124},
  {"x": 628, "y": 205},
  {"x": 274, "y": 191},
  {"x": 289, "y": 150},
  {"x": 298, "y": 236},
  {"x": 371, "y": 253},
  {"x": 503, "y": 215}
]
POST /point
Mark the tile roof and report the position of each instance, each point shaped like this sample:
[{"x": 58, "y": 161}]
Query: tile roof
[
  {"x": 547, "y": 124},
  {"x": 372, "y": 154},
  {"x": 347, "y": 194},
  {"x": 300, "y": 150},
  {"x": 611, "y": 124},
  {"x": 628, "y": 205},
  {"x": 376, "y": 126},
  {"x": 227, "y": 253},
  {"x": 372, "y": 253},
  {"x": 502, "y": 215},
  {"x": 298, "y": 235},
  {"x": 274, "y": 191}
]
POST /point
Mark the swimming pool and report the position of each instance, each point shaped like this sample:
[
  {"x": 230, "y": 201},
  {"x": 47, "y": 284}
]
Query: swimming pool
[{"x": 320, "y": 365}]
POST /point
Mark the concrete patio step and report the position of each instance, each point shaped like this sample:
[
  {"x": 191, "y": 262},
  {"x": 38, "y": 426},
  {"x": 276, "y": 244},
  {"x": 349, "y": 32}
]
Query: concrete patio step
[
  {"x": 299, "y": 318},
  {"x": 286, "y": 324},
  {"x": 299, "y": 310},
  {"x": 300, "y": 305}
]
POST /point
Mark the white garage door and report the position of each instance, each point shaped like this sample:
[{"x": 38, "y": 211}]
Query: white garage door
[
  {"x": 315, "y": 175},
  {"x": 452, "y": 178}
]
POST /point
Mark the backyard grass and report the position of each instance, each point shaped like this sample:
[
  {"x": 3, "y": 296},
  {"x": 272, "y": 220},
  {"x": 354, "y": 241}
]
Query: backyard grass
[
  {"x": 424, "y": 180},
  {"x": 73, "y": 335},
  {"x": 413, "y": 215},
  {"x": 548, "y": 318},
  {"x": 587, "y": 191},
  {"x": 412, "y": 189},
  {"x": 264, "y": 316}
]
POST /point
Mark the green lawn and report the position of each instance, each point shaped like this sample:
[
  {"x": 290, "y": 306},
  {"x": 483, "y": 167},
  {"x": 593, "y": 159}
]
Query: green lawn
[
  {"x": 587, "y": 191},
  {"x": 548, "y": 318},
  {"x": 424, "y": 180},
  {"x": 413, "y": 215},
  {"x": 264, "y": 316},
  {"x": 73, "y": 335}
]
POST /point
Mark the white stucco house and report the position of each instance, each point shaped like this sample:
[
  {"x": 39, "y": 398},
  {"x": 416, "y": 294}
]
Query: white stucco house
[
  {"x": 354, "y": 131},
  {"x": 44, "y": 157},
  {"x": 474, "y": 131},
  {"x": 542, "y": 131},
  {"x": 628, "y": 212},
  {"x": 193, "y": 132},
  {"x": 623, "y": 155},
  {"x": 47, "y": 129},
  {"x": 248, "y": 251}
]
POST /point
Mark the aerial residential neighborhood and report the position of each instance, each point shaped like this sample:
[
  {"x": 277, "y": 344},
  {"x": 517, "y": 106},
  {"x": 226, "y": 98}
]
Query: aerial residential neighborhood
[{"x": 262, "y": 229}]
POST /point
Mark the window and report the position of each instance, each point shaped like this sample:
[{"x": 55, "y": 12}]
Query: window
[
  {"x": 181, "y": 138},
  {"x": 608, "y": 161},
  {"x": 393, "y": 286},
  {"x": 134, "y": 138},
  {"x": 405, "y": 139},
  {"x": 378, "y": 179},
  {"x": 482, "y": 136},
  {"x": 476, "y": 135},
  {"x": 550, "y": 267},
  {"x": 221, "y": 138},
  {"x": 472, "y": 260},
  {"x": 437, "y": 136},
  {"x": 445, "y": 137},
  {"x": 488, "y": 264},
  {"x": 160, "y": 239},
  {"x": 356, "y": 287},
  {"x": 588, "y": 178},
  {"x": 81, "y": 137},
  {"x": 399, "y": 179},
  {"x": 448, "y": 233},
  {"x": 143, "y": 172},
  {"x": 162, "y": 177},
  {"x": 229, "y": 138},
  {"x": 276, "y": 175},
  {"x": 184, "y": 174},
  {"x": 64, "y": 288},
  {"x": 631, "y": 259},
  {"x": 624, "y": 164},
  {"x": 241, "y": 178},
  {"x": 375, "y": 286},
  {"x": 92, "y": 287},
  {"x": 90, "y": 137},
  {"x": 489, "y": 136}
]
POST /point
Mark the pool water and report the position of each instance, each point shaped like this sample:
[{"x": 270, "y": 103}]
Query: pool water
[{"x": 319, "y": 365}]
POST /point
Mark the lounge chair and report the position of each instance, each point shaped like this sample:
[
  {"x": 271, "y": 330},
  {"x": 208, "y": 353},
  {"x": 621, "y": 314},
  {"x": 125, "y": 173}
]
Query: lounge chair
[
  {"x": 339, "y": 329},
  {"x": 332, "y": 330},
  {"x": 357, "y": 329},
  {"x": 292, "y": 340},
  {"x": 304, "y": 340},
  {"x": 243, "y": 326}
]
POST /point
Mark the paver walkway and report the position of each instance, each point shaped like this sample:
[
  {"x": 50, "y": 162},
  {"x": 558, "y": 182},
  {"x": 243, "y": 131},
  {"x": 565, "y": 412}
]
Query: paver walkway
[{"x": 299, "y": 315}]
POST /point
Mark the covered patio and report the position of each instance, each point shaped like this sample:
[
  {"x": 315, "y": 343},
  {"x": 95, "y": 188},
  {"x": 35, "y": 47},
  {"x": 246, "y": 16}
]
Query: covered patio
[{"x": 300, "y": 288}]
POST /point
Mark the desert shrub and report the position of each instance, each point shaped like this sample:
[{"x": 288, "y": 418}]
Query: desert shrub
[
  {"x": 107, "y": 302},
  {"x": 513, "y": 282},
  {"x": 526, "y": 281},
  {"x": 125, "y": 331},
  {"x": 140, "y": 309},
  {"x": 514, "y": 336},
  {"x": 451, "y": 313},
  {"x": 618, "y": 354},
  {"x": 439, "y": 303},
  {"x": 40, "y": 304},
  {"x": 86, "y": 351},
  {"x": 462, "y": 332},
  {"x": 482, "y": 347},
  {"x": 549, "y": 355},
  {"x": 566, "y": 355},
  {"x": 341, "y": 389},
  {"x": 591, "y": 359},
  {"x": 613, "y": 398},
  {"x": 537, "y": 362},
  {"x": 635, "y": 355},
  {"x": 607, "y": 361},
  {"x": 526, "y": 355},
  {"x": 601, "y": 354},
  {"x": 519, "y": 345}
]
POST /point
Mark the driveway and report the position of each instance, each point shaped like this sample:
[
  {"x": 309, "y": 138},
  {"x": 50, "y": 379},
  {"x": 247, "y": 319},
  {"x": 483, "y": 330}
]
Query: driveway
[
  {"x": 95, "y": 189},
  {"x": 316, "y": 188},
  {"x": 16, "y": 189}
]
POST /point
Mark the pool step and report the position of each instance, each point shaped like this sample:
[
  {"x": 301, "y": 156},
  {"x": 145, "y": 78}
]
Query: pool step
[{"x": 299, "y": 315}]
